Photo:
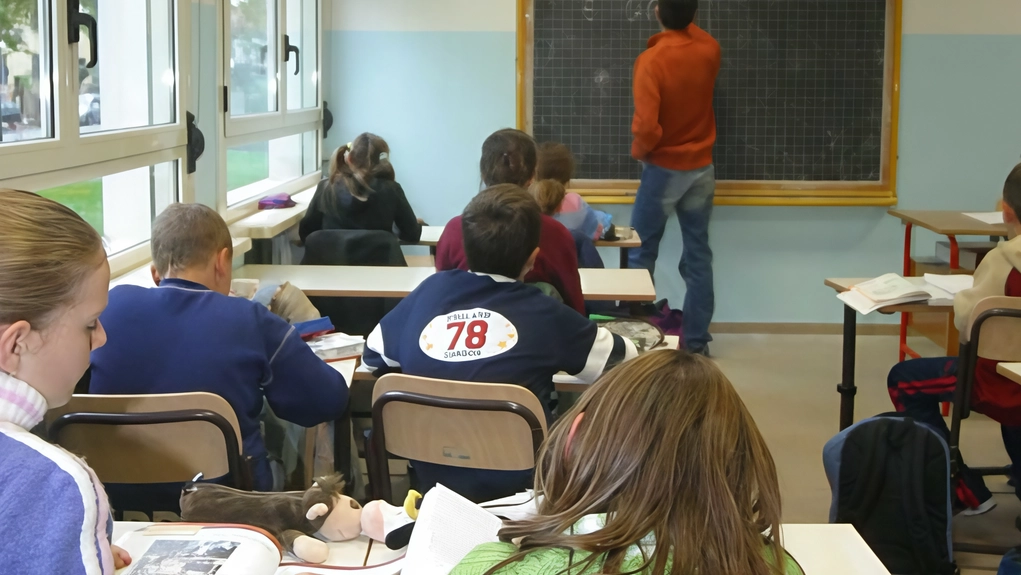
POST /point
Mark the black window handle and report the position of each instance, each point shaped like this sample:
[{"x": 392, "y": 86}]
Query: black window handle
[
  {"x": 288, "y": 48},
  {"x": 75, "y": 20}
]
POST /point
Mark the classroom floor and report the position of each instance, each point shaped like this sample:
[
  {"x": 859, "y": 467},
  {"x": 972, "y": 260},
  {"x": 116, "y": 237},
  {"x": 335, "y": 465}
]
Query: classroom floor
[{"x": 789, "y": 384}]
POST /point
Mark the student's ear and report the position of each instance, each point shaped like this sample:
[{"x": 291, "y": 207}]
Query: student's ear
[
  {"x": 1009, "y": 215},
  {"x": 529, "y": 264},
  {"x": 156, "y": 279},
  {"x": 224, "y": 267},
  {"x": 13, "y": 339}
]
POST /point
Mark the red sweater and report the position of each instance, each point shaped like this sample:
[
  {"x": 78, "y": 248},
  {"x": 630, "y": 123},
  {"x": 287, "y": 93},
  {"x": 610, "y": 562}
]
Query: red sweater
[
  {"x": 556, "y": 265},
  {"x": 674, "y": 124}
]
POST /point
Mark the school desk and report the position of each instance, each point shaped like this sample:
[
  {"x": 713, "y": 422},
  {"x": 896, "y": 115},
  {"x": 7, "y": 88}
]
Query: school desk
[
  {"x": 142, "y": 277},
  {"x": 398, "y": 282},
  {"x": 830, "y": 549},
  {"x": 264, "y": 225},
  {"x": 1011, "y": 371},
  {"x": 846, "y": 388},
  {"x": 431, "y": 237},
  {"x": 945, "y": 223}
]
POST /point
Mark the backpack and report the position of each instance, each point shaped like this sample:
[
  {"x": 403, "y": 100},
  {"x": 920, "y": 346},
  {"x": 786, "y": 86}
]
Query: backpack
[
  {"x": 1011, "y": 564},
  {"x": 890, "y": 478}
]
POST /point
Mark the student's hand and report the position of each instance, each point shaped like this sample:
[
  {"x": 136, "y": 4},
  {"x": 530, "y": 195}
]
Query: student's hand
[{"x": 121, "y": 559}]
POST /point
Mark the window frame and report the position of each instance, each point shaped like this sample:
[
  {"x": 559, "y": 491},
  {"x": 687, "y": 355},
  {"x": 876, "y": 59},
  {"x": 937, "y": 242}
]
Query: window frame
[
  {"x": 281, "y": 118},
  {"x": 68, "y": 149},
  {"x": 267, "y": 126}
]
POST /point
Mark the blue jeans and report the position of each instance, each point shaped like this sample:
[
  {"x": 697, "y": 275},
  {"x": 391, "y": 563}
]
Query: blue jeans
[{"x": 689, "y": 194}]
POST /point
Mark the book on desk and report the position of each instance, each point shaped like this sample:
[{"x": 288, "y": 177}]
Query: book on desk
[{"x": 892, "y": 289}]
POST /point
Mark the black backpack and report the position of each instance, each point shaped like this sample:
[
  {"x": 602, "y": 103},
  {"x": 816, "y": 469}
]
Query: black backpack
[{"x": 890, "y": 478}]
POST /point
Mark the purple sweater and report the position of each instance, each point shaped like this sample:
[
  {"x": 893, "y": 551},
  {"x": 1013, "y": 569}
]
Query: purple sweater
[{"x": 54, "y": 515}]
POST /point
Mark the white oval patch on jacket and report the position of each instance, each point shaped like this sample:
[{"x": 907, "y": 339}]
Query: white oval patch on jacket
[{"x": 467, "y": 335}]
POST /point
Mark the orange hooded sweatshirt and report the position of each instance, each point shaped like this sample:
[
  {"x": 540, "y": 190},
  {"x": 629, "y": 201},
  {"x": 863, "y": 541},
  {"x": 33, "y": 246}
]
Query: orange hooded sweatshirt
[{"x": 674, "y": 124}]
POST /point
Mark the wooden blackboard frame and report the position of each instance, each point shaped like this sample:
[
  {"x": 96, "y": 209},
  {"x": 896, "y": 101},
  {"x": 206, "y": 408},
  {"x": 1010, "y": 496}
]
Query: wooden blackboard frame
[{"x": 748, "y": 193}]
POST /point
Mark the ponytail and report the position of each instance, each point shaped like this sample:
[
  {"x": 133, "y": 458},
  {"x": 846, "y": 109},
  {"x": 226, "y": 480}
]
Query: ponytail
[
  {"x": 356, "y": 164},
  {"x": 508, "y": 157},
  {"x": 550, "y": 195}
]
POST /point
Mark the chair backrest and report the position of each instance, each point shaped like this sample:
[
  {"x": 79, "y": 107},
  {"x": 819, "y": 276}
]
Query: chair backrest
[
  {"x": 353, "y": 248},
  {"x": 998, "y": 333},
  {"x": 158, "y": 438},
  {"x": 461, "y": 424}
]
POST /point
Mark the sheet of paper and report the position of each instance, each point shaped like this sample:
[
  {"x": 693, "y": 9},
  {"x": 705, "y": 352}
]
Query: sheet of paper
[
  {"x": 346, "y": 367},
  {"x": 951, "y": 283},
  {"x": 986, "y": 217},
  {"x": 887, "y": 287},
  {"x": 448, "y": 527},
  {"x": 514, "y": 507}
]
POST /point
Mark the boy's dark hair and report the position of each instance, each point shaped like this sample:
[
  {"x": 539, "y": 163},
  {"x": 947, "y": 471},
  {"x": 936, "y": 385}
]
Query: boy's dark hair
[
  {"x": 1012, "y": 190},
  {"x": 677, "y": 14},
  {"x": 501, "y": 228},
  {"x": 508, "y": 157},
  {"x": 185, "y": 235},
  {"x": 556, "y": 162}
]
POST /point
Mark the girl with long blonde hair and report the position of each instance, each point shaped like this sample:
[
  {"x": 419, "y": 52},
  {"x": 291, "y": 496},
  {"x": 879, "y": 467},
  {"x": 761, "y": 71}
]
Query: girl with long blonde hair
[{"x": 658, "y": 469}]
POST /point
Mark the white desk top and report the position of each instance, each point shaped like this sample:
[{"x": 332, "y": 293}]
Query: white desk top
[
  {"x": 1011, "y": 371},
  {"x": 830, "y": 549},
  {"x": 370, "y": 281},
  {"x": 141, "y": 276},
  {"x": 431, "y": 237},
  {"x": 266, "y": 224}
]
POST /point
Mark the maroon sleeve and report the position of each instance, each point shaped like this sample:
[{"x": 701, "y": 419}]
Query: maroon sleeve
[
  {"x": 558, "y": 245},
  {"x": 450, "y": 248}
]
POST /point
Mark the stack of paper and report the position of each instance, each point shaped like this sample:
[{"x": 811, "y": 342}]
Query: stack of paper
[
  {"x": 986, "y": 217},
  {"x": 951, "y": 283}
]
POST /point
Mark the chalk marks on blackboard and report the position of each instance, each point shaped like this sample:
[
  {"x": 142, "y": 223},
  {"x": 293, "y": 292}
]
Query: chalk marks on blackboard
[
  {"x": 637, "y": 10},
  {"x": 588, "y": 10}
]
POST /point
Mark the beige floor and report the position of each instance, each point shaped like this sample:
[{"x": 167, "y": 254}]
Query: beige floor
[{"x": 789, "y": 385}]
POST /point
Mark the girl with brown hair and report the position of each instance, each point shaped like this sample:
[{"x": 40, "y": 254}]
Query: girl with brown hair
[
  {"x": 658, "y": 469},
  {"x": 54, "y": 277},
  {"x": 361, "y": 194}
]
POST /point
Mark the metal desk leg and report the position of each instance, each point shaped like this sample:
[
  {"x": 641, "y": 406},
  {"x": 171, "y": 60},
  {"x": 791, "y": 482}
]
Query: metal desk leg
[
  {"x": 847, "y": 388},
  {"x": 342, "y": 431},
  {"x": 623, "y": 258}
]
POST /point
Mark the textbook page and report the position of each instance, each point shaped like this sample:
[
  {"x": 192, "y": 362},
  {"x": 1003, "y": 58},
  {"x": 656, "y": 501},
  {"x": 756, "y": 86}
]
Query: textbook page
[
  {"x": 951, "y": 283},
  {"x": 448, "y": 527},
  {"x": 986, "y": 217},
  {"x": 182, "y": 548},
  {"x": 888, "y": 287}
]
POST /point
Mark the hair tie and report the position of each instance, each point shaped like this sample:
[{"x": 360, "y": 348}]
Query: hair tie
[
  {"x": 570, "y": 434},
  {"x": 383, "y": 156}
]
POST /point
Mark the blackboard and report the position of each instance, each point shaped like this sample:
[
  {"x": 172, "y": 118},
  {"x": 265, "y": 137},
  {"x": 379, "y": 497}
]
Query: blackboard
[{"x": 803, "y": 93}]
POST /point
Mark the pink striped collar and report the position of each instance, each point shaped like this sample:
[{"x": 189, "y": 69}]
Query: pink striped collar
[{"x": 20, "y": 403}]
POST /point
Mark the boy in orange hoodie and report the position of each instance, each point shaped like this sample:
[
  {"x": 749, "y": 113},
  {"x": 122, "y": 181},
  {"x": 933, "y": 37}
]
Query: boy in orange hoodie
[{"x": 674, "y": 131}]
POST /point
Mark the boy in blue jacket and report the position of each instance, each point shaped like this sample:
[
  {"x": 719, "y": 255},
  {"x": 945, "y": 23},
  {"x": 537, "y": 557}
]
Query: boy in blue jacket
[
  {"x": 188, "y": 335},
  {"x": 485, "y": 325}
]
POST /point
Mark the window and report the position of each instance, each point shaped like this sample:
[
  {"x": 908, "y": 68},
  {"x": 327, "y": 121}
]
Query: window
[
  {"x": 273, "y": 118},
  {"x": 26, "y": 96},
  {"x": 257, "y": 168},
  {"x": 121, "y": 206}
]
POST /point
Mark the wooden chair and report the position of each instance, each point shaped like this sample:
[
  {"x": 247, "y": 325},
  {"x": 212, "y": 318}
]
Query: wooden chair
[
  {"x": 994, "y": 333},
  {"x": 161, "y": 438},
  {"x": 461, "y": 424}
]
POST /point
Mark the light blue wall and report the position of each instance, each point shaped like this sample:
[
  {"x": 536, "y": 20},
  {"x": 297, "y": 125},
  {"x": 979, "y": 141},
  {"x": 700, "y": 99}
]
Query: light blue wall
[{"x": 436, "y": 95}]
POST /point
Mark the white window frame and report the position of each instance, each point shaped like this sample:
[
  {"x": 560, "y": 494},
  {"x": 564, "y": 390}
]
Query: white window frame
[
  {"x": 282, "y": 118},
  {"x": 68, "y": 148},
  {"x": 268, "y": 126}
]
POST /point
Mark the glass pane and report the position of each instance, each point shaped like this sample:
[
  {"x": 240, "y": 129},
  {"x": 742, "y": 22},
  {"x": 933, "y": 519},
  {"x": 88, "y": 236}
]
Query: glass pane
[
  {"x": 134, "y": 83},
  {"x": 253, "y": 57},
  {"x": 25, "y": 91},
  {"x": 303, "y": 30},
  {"x": 255, "y": 169},
  {"x": 121, "y": 206}
]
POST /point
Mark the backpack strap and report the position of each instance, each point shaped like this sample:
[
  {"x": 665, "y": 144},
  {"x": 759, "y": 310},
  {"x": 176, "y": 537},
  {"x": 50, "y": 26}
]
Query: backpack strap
[
  {"x": 863, "y": 498},
  {"x": 920, "y": 528}
]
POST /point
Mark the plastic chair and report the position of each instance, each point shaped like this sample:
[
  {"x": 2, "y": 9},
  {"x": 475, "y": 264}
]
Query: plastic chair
[
  {"x": 471, "y": 425},
  {"x": 160, "y": 438},
  {"x": 994, "y": 333}
]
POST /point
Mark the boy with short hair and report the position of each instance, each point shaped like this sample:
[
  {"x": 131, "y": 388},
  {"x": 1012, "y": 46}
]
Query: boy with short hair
[
  {"x": 918, "y": 386},
  {"x": 674, "y": 131},
  {"x": 485, "y": 325},
  {"x": 188, "y": 335}
]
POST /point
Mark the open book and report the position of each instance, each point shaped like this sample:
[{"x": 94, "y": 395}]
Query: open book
[
  {"x": 448, "y": 527},
  {"x": 892, "y": 289},
  {"x": 207, "y": 549}
]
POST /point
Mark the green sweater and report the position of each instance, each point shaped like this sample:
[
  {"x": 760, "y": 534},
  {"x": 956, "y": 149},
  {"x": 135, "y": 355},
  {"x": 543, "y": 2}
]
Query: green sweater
[{"x": 554, "y": 561}]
